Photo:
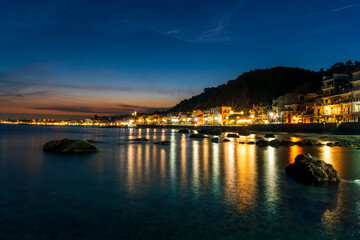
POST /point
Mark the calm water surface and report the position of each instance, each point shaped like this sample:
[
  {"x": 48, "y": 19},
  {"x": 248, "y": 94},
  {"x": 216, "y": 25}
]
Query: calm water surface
[{"x": 192, "y": 189}]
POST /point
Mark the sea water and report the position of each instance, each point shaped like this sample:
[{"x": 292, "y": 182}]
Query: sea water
[{"x": 190, "y": 189}]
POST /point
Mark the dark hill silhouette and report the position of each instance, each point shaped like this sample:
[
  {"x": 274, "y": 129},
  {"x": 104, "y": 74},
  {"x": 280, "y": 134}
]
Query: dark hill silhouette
[{"x": 260, "y": 86}]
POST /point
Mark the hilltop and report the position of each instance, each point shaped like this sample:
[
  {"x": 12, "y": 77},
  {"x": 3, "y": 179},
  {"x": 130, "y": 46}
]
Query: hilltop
[{"x": 261, "y": 86}]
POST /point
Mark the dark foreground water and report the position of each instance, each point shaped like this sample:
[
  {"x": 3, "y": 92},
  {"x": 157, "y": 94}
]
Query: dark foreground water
[{"x": 192, "y": 189}]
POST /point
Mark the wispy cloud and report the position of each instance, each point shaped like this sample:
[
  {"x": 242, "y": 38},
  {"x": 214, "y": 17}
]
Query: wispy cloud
[
  {"x": 338, "y": 9},
  {"x": 32, "y": 81},
  {"x": 121, "y": 109},
  {"x": 173, "y": 31}
]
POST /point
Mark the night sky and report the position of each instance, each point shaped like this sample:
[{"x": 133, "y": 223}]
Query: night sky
[{"x": 79, "y": 58}]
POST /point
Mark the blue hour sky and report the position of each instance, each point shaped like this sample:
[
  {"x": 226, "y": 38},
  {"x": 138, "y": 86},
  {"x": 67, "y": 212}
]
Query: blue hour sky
[{"x": 79, "y": 58}]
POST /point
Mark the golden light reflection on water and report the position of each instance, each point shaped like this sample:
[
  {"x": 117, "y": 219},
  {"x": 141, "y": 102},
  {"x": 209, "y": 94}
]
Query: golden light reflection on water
[
  {"x": 173, "y": 146},
  {"x": 293, "y": 152},
  {"x": 295, "y": 139},
  {"x": 216, "y": 180},
  {"x": 246, "y": 176},
  {"x": 238, "y": 173},
  {"x": 195, "y": 166},
  {"x": 229, "y": 169},
  {"x": 205, "y": 168},
  {"x": 183, "y": 160},
  {"x": 271, "y": 190}
]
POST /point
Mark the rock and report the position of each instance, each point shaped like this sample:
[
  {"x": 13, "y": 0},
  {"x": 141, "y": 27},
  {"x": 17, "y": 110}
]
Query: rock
[
  {"x": 226, "y": 140},
  {"x": 275, "y": 143},
  {"x": 319, "y": 144},
  {"x": 140, "y": 139},
  {"x": 242, "y": 142},
  {"x": 183, "y": 131},
  {"x": 250, "y": 143},
  {"x": 210, "y": 131},
  {"x": 91, "y": 141},
  {"x": 343, "y": 143},
  {"x": 215, "y": 140},
  {"x": 309, "y": 143},
  {"x": 330, "y": 144},
  {"x": 262, "y": 143},
  {"x": 68, "y": 145},
  {"x": 197, "y": 135},
  {"x": 308, "y": 169},
  {"x": 290, "y": 143},
  {"x": 232, "y": 135},
  {"x": 163, "y": 142},
  {"x": 300, "y": 143},
  {"x": 270, "y": 135}
]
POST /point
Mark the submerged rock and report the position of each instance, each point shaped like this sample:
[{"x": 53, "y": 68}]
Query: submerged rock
[
  {"x": 215, "y": 140},
  {"x": 262, "y": 143},
  {"x": 197, "y": 135},
  {"x": 163, "y": 143},
  {"x": 232, "y": 135},
  {"x": 226, "y": 140},
  {"x": 270, "y": 135},
  {"x": 68, "y": 145},
  {"x": 140, "y": 139},
  {"x": 250, "y": 143},
  {"x": 308, "y": 169},
  {"x": 183, "y": 131},
  {"x": 275, "y": 143},
  {"x": 211, "y": 131}
]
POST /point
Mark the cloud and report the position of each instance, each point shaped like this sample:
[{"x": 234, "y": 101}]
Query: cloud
[
  {"x": 338, "y": 9},
  {"x": 119, "y": 109},
  {"x": 172, "y": 31},
  {"x": 36, "y": 80}
]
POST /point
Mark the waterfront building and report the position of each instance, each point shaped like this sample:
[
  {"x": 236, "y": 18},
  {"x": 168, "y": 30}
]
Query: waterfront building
[
  {"x": 197, "y": 116},
  {"x": 354, "y": 102},
  {"x": 334, "y": 106}
]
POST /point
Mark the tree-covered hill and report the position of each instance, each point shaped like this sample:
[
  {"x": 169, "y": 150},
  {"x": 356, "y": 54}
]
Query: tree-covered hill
[{"x": 261, "y": 86}]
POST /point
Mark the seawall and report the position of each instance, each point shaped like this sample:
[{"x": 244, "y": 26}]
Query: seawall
[{"x": 337, "y": 128}]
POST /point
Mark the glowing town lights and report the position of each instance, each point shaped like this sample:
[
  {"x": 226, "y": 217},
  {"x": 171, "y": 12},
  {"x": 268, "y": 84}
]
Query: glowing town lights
[
  {"x": 231, "y": 112},
  {"x": 196, "y": 119},
  {"x": 216, "y": 118},
  {"x": 252, "y": 116},
  {"x": 241, "y": 112},
  {"x": 271, "y": 114}
]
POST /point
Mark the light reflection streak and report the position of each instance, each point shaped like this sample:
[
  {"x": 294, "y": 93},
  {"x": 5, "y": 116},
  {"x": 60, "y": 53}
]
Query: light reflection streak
[
  {"x": 183, "y": 164},
  {"x": 173, "y": 146},
  {"x": 195, "y": 166},
  {"x": 246, "y": 176},
  {"x": 229, "y": 165},
  {"x": 205, "y": 169},
  {"x": 216, "y": 180},
  {"x": 271, "y": 192},
  {"x": 293, "y": 152},
  {"x": 162, "y": 164},
  {"x": 130, "y": 167}
]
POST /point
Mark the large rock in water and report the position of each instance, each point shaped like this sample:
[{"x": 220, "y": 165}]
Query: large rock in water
[
  {"x": 68, "y": 145},
  {"x": 307, "y": 169}
]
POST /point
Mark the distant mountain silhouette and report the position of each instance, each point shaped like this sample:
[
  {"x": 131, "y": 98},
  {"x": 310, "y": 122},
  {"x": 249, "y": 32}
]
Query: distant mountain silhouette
[{"x": 261, "y": 86}]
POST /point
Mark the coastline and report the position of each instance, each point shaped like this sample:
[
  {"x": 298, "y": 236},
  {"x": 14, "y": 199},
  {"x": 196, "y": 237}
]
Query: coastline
[{"x": 348, "y": 128}]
